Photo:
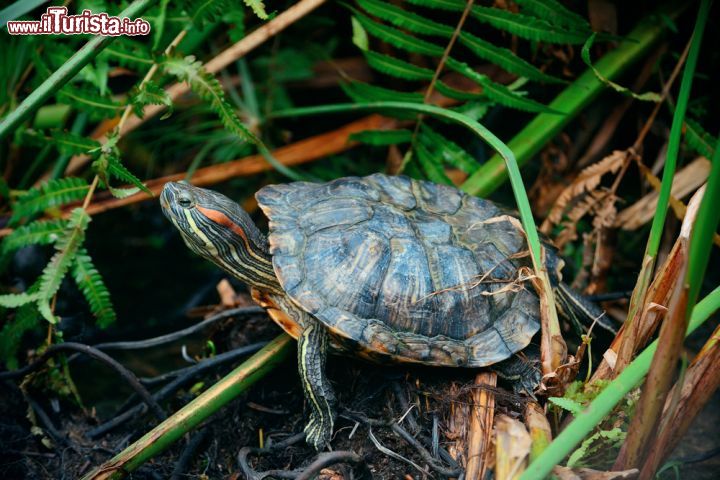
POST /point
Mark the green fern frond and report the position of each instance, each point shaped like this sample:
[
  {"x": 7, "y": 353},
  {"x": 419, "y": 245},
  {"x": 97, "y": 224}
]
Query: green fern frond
[
  {"x": 397, "y": 37},
  {"x": 66, "y": 143},
  {"x": 527, "y": 27},
  {"x": 505, "y": 58},
  {"x": 556, "y": 13},
  {"x": 698, "y": 139},
  {"x": 15, "y": 300},
  {"x": 202, "y": 12},
  {"x": 405, "y": 19},
  {"x": 499, "y": 93},
  {"x": 381, "y": 138},
  {"x": 53, "y": 193},
  {"x": 66, "y": 249},
  {"x": 150, "y": 94},
  {"x": 93, "y": 287},
  {"x": 365, "y": 92},
  {"x": 447, "y": 5},
  {"x": 26, "y": 319},
  {"x": 35, "y": 233},
  {"x": 431, "y": 165},
  {"x": 397, "y": 68},
  {"x": 98, "y": 107},
  {"x": 109, "y": 165},
  {"x": 258, "y": 8},
  {"x": 207, "y": 87},
  {"x": 449, "y": 151},
  {"x": 128, "y": 53},
  {"x": 456, "y": 94}
]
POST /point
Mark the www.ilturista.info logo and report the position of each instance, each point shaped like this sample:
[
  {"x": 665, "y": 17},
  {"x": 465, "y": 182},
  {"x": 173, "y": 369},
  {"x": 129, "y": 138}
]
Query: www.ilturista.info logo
[{"x": 56, "y": 21}]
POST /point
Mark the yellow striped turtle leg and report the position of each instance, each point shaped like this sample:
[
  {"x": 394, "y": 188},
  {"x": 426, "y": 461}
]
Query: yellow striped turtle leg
[{"x": 312, "y": 351}]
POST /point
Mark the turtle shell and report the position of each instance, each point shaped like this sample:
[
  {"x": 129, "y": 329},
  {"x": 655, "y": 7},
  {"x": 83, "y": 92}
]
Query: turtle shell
[{"x": 401, "y": 268}]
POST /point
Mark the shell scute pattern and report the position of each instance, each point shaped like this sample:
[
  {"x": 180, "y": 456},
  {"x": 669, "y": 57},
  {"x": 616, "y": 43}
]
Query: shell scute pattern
[{"x": 402, "y": 269}]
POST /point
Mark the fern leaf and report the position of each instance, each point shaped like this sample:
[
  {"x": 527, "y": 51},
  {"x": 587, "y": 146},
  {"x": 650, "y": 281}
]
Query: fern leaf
[
  {"x": 404, "y": 19},
  {"x": 698, "y": 139},
  {"x": 127, "y": 53},
  {"x": 91, "y": 284},
  {"x": 258, "y": 8},
  {"x": 150, "y": 94},
  {"x": 448, "y": 5},
  {"x": 499, "y": 93},
  {"x": 527, "y": 27},
  {"x": 397, "y": 37},
  {"x": 95, "y": 105},
  {"x": 69, "y": 143},
  {"x": 585, "y": 54},
  {"x": 397, "y": 68},
  {"x": 209, "y": 89},
  {"x": 202, "y": 12},
  {"x": 66, "y": 250},
  {"x": 15, "y": 300},
  {"x": 53, "y": 193},
  {"x": 382, "y": 137},
  {"x": 456, "y": 94},
  {"x": 555, "y": 12},
  {"x": 431, "y": 165},
  {"x": 26, "y": 319},
  {"x": 35, "y": 233},
  {"x": 567, "y": 404},
  {"x": 505, "y": 58},
  {"x": 450, "y": 152},
  {"x": 365, "y": 92}
]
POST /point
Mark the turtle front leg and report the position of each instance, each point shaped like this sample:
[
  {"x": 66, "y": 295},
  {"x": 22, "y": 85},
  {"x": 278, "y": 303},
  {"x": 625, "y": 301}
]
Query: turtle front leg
[{"x": 312, "y": 351}]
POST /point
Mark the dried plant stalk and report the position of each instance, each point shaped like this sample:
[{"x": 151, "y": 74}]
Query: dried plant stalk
[{"x": 479, "y": 440}]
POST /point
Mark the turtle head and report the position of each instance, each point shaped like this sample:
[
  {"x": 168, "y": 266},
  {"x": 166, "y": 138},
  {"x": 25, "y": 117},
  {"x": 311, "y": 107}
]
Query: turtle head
[{"x": 219, "y": 230}]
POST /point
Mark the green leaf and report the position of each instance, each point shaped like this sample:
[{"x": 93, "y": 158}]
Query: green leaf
[
  {"x": 365, "y": 92},
  {"x": 360, "y": 36},
  {"x": 206, "y": 86},
  {"x": 698, "y": 139},
  {"x": 431, "y": 165},
  {"x": 530, "y": 28},
  {"x": 567, "y": 404},
  {"x": 449, "y": 5},
  {"x": 66, "y": 250},
  {"x": 69, "y": 143},
  {"x": 128, "y": 53},
  {"x": 150, "y": 94},
  {"x": 91, "y": 284},
  {"x": 15, "y": 300},
  {"x": 53, "y": 193},
  {"x": 456, "y": 94},
  {"x": 405, "y": 19},
  {"x": 505, "y": 58},
  {"x": 397, "y": 68},
  {"x": 89, "y": 101},
  {"x": 123, "y": 192},
  {"x": 602, "y": 439},
  {"x": 450, "y": 152},
  {"x": 382, "y": 137},
  {"x": 26, "y": 319},
  {"x": 258, "y": 7},
  {"x": 555, "y": 12},
  {"x": 499, "y": 93},
  {"x": 585, "y": 54},
  {"x": 397, "y": 37},
  {"x": 202, "y": 12},
  {"x": 35, "y": 233}
]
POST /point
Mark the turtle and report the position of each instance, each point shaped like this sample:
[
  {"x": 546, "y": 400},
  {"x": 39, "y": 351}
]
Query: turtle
[{"x": 387, "y": 268}]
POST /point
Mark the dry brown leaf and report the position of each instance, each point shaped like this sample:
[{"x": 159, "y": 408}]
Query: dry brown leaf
[{"x": 512, "y": 448}]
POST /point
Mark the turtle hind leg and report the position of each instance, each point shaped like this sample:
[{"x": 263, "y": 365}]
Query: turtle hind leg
[
  {"x": 522, "y": 370},
  {"x": 312, "y": 352}
]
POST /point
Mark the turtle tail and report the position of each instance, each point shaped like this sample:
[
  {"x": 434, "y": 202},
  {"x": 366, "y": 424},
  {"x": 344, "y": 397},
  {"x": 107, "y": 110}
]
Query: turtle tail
[{"x": 580, "y": 311}]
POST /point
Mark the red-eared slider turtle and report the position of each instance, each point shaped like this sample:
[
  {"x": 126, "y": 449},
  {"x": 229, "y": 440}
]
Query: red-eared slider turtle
[{"x": 388, "y": 268}]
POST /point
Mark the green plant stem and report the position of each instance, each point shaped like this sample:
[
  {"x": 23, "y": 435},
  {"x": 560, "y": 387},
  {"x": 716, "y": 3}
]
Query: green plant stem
[
  {"x": 66, "y": 72},
  {"x": 195, "y": 412},
  {"x": 603, "y": 404},
  {"x": 573, "y": 100},
  {"x": 551, "y": 334}
]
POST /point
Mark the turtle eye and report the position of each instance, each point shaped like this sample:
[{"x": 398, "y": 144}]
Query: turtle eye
[{"x": 185, "y": 200}]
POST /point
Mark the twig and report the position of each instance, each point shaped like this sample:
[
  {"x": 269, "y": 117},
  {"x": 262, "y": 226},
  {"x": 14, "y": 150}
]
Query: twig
[
  {"x": 251, "y": 474},
  {"x": 326, "y": 459},
  {"x": 187, "y": 454},
  {"x": 126, "y": 374}
]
